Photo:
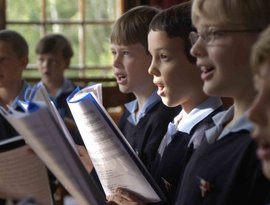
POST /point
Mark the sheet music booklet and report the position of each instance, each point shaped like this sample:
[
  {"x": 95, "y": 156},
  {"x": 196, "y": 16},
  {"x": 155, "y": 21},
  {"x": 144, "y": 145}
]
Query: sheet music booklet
[
  {"x": 116, "y": 163},
  {"x": 45, "y": 132}
]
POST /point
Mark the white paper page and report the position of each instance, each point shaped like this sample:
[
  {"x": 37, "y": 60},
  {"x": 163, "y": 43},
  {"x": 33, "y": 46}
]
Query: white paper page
[
  {"x": 95, "y": 88},
  {"x": 114, "y": 166},
  {"x": 40, "y": 94},
  {"x": 64, "y": 129},
  {"x": 45, "y": 137},
  {"x": 23, "y": 174}
]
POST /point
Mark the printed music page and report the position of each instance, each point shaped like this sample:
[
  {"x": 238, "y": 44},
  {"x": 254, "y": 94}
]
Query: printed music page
[
  {"x": 22, "y": 173},
  {"x": 114, "y": 160},
  {"x": 43, "y": 134}
]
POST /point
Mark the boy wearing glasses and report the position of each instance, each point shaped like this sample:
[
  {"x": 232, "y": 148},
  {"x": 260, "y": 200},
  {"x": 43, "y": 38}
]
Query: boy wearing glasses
[
  {"x": 260, "y": 111},
  {"x": 178, "y": 81},
  {"x": 224, "y": 169}
]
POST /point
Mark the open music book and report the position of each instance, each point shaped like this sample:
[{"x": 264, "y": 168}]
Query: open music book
[
  {"x": 116, "y": 163},
  {"x": 22, "y": 173},
  {"x": 45, "y": 132}
]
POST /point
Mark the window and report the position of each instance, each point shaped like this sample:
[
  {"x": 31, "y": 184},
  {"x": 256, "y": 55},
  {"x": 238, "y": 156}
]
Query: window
[{"x": 86, "y": 23}]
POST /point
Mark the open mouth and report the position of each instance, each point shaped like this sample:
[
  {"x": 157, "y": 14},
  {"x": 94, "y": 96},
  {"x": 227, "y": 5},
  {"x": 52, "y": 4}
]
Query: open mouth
[
  {"x": 207, "y": 72},
  {"x": 46, "y": 73},
  {"x": 161, "y": 89},
  {"x": 120, "y": 78}
]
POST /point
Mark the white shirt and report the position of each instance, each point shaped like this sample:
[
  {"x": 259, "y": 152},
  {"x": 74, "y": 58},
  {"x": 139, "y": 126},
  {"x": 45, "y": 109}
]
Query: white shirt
[{"x": 184, "y": 122}]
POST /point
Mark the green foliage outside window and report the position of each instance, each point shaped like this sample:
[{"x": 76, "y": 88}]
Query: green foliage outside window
[{"x": 99, "y": 17}]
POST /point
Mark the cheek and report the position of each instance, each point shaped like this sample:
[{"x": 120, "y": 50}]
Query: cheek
[
  {"x": 220, "y": 62},
  {"x": 172, "y": 76},
  {"x": 141, "y": 69}
]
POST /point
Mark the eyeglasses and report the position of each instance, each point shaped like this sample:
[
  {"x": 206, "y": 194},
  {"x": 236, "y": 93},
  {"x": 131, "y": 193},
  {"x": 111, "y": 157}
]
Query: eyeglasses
[{"x": 210, "y": 36}]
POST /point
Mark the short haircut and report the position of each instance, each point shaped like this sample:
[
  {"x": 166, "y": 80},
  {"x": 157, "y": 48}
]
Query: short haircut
[
  {"x": 253, "y": 14},
  {"x": 176, "y": 22},
  {"x": 132, "y": 26},
  {"x": 261, "y": 50},
  {"x": 54, "y": 43},
  {"x": 17, "y": 41}
]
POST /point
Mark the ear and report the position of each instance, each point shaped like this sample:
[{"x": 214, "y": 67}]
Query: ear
[
  {"x": 67, "y": 61},
  {"x": 24, "y": 61}
]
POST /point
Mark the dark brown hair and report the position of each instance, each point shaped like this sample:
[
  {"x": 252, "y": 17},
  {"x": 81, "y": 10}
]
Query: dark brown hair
[
  {"x": 176, "y": 22},
  {"x": 54, "y": 43}
]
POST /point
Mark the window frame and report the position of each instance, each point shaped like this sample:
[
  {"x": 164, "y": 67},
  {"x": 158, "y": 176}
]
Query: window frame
[{"x": 82, "y": 68}]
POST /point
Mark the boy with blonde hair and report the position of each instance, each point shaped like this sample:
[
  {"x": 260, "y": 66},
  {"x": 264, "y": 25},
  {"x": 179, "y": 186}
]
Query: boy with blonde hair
[{"x": 224, "y": 169}]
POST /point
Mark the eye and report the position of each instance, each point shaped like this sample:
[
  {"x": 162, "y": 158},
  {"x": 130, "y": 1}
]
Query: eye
[
  {"x": 212, "y": 35},
  {"x": 163, "y": 56},
  {"x": 54, "y": 61},
  {"x": 216, "y": 34},
  {"x": 113, "y": 52},
  {"x": 126, "y": 52}
]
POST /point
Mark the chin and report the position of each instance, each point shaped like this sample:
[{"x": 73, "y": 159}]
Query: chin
[
  {"x": 124, "y": 89},
  {"x": 167, "y": 102},
  {"x": 210, "y": 90},
  {"x": 266, "y": 168}
]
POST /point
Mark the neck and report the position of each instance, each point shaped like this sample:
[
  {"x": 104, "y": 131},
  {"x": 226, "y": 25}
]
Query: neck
[
  {"x": 53, "y": 86},
  {"x": 242, "y": 104},
  {"x": 193, "y": 101},
  {"x": 142, "y": 97}
]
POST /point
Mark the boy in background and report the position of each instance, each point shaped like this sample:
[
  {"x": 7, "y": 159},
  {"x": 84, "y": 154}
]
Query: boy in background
[
  {"x": 54, "y": 54},
  {"x": 13, "y": 60}
]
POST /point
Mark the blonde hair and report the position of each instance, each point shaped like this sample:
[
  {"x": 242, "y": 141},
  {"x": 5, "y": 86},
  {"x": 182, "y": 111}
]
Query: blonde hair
[
  {"x": 261, "y": 50},
  {"x": 253, "y": 14}
]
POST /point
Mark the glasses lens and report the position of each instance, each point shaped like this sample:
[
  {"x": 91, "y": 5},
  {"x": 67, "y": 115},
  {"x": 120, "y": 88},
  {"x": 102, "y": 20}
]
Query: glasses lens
[{"x": 193, "y": 37}]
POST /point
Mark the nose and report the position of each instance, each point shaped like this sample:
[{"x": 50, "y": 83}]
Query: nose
[
  {"x": 198, "y": 49},
  {"x": 116, "y": 61},
  {"x": 152, "y": 70},
  {"x": 43, "y": 63}
]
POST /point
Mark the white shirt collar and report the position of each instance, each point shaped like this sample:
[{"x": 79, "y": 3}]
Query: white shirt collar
[
  {"x": 189, "y": 120},
  {"x": 152, "y": 100},
  {"x": 67, "y": 86},
  {"x": 217, "y": 132}
]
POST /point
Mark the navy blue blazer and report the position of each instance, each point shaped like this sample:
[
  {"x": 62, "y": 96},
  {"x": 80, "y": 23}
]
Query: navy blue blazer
[
  {"x": 226, "y": 172},
  {"x": 167, "y": 170},
  {"x": 146, "y": 136}
]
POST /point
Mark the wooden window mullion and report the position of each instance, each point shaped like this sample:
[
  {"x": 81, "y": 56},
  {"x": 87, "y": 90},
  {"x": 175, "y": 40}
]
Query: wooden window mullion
[{"x": 81, "y": 40}]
